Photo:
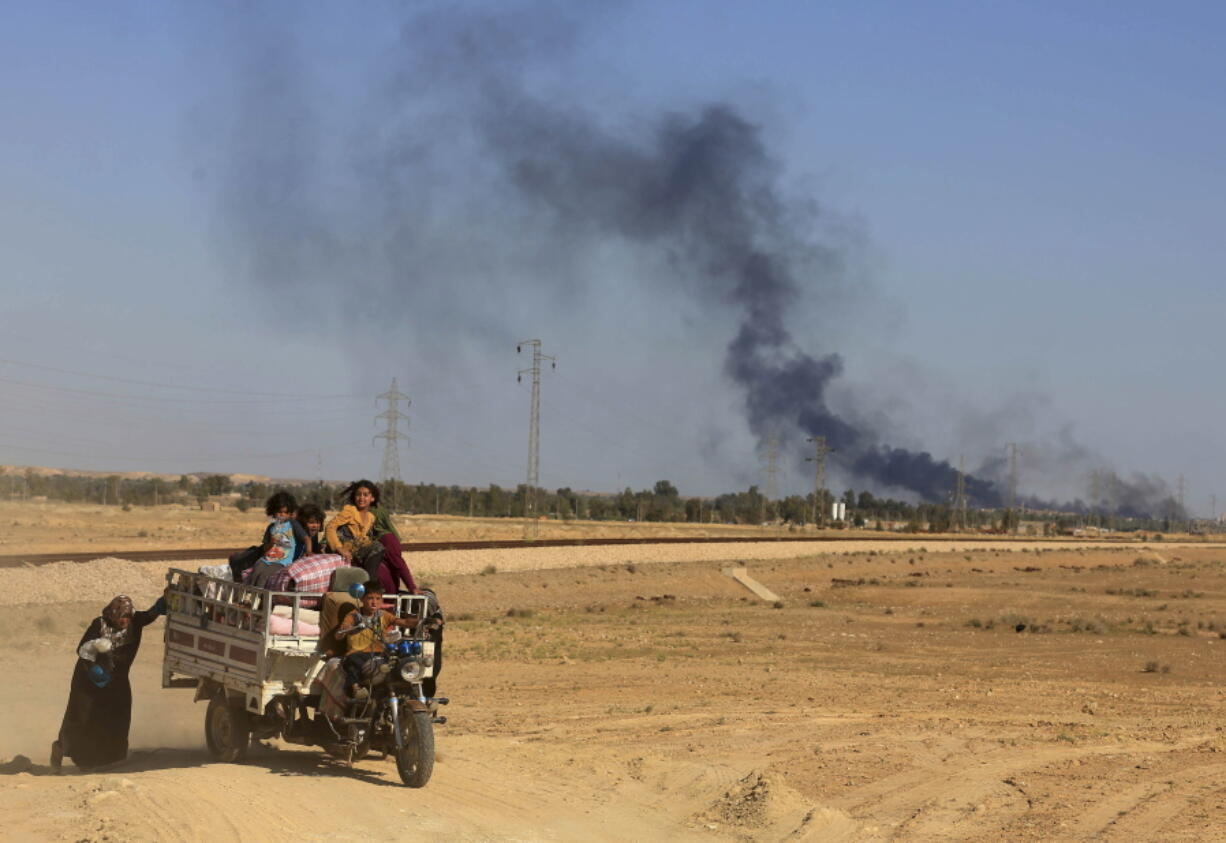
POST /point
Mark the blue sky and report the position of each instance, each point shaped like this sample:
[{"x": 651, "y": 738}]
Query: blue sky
[{"x": 1026, "y": 195}]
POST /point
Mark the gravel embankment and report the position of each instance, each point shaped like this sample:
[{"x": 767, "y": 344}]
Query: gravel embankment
[{"x": 101, "y": 579}]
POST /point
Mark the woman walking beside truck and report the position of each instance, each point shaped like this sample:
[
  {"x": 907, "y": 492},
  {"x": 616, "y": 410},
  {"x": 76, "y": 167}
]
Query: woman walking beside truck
[{"x": 94, "y": 732}]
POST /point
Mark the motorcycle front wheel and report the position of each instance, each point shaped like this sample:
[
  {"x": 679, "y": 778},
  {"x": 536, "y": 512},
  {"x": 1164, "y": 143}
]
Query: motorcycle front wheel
[{"x": 415, "y": 759}]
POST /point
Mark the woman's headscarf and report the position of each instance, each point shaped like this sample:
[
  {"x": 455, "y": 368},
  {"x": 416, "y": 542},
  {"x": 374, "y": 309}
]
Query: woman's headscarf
[{"x": 119, "y": 607}]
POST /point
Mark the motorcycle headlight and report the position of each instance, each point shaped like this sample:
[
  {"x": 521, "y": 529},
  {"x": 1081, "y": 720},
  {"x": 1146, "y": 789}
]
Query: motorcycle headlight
[{"x": 411, "y": 671}]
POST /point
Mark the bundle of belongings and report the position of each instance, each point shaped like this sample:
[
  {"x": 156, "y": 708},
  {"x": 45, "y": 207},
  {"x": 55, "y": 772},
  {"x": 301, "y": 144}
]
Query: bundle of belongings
[{"x": 308, "y": 575}]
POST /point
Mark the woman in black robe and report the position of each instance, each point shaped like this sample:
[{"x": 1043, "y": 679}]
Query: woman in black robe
[{"x": 95, "y": 728}]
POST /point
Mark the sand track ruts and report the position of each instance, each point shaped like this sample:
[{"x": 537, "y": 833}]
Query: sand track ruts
[
  {"x": 642, "y": 695},
  {"x": 101, "y": 578}
]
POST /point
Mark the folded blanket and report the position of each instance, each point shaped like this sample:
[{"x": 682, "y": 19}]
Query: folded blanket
[
  {"x": 278, "y": 625},
  {"x": 308, "y": 615}
]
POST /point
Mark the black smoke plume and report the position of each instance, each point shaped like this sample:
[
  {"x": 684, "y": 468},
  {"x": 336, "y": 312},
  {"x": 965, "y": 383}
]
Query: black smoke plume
[
  {"x": 696, "y": 188},
  {"x": 703, "y": 187}
]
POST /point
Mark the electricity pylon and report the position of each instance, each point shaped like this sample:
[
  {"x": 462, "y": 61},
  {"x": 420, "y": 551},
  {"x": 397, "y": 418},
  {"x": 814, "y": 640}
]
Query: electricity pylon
[
  {"x": 534, "y": 432},
  {"x": 1014, "y": 520},
  {"x": 772, "y": 467},
  {"x": 1179, "y": 513},
  {"x": 820, "y": 450},
  {"x": 959, "y": 514},
  {"x": 389, "y": 474}
]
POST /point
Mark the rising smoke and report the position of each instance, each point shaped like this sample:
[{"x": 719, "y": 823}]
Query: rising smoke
[
  {"x": 701, "y": 186},
  {"x": 695, "y": 188}
]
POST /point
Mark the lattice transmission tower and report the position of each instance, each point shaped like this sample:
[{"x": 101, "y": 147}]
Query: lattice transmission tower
[
  {"x": 1014, "y": 517},
  {"x": 1179, "y": 512},
  {"x": 820, "y": 451},
  {"x": 959, "y": 508},
  {"x": 534, "y": 431},
  {"x": 772, "y": 468},
  {"x": 389, "y": 474}
]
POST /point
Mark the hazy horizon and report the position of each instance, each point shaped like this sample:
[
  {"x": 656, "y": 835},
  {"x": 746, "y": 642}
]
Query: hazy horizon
[{"x": 226, "y": 229}]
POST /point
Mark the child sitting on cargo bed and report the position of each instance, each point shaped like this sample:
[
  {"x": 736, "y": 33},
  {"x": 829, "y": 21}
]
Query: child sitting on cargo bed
[
  {"x": 311, "y": 517},
  {"x": 282, "y": 540},
  {"x": 362, "y": 631},
  {"x": 305, "y": 541}
]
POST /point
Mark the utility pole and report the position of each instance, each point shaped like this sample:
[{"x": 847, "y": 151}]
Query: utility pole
[
  {"x": 772, "y": 471},
  {"x": 1110, "y": 491},
  {"x": 1013, "y": 516},
  {"x": 390, "y": 473},
  {"x": 960, "y": 497},
  {"x": 820, "y": 451},
  {"x": 1095, "y": 496},
  {"x": 1179, "y": 513},
  {"x": 534, "y": 432}
]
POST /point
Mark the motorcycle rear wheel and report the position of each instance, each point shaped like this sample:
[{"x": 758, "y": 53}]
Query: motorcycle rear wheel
[{"x": 415, "y": 759}]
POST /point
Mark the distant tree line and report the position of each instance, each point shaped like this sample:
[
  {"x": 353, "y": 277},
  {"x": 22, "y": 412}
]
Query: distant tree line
[{"x": 661, "y": 503}]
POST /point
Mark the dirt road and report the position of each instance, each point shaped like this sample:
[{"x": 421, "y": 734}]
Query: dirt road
[{"x": 890, "y": 696}]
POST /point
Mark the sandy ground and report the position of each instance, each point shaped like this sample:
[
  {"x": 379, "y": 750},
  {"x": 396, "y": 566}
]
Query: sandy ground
[
  {"x": 53, "y": 527},
  {"x": 645, "y": 695}
]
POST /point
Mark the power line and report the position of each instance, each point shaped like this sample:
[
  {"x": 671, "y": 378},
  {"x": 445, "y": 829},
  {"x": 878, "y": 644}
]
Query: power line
[
  {"x": 135, "y": 382},
  {"x": 176, "y": 457},
  {"x": 620, "y": 407},
  {"x": 556, "y": 409},
  {"x": 96, "y": 393},
  {"x": 318, "y": 422},
  {"x": 390, "y": 472}
]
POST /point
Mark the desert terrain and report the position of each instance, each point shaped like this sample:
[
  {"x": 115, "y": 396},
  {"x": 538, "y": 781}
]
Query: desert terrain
[
  {"x": 53, "y": 527},
  {"x": 918, "y": 691}
]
